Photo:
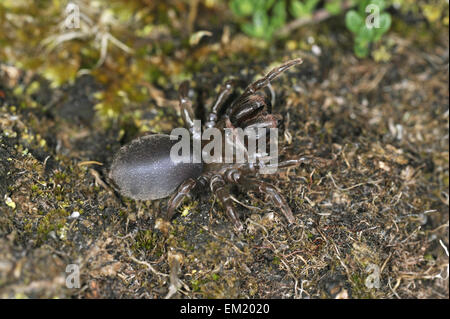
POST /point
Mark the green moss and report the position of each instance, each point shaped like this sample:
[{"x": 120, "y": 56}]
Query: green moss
[
  {"x": 276, "y": 260},
  {"x": 215, "y": 277},
  {"x": 51, "y": 221},
  {"x": 144, "y": 240}
]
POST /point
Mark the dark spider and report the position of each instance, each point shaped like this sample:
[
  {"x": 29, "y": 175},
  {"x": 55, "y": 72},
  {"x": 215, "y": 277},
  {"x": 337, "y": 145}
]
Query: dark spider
[{"x": 143, "y": 169}]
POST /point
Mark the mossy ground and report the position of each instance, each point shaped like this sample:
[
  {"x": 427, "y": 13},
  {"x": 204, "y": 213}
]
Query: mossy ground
[{"x": 382, "y": 206}]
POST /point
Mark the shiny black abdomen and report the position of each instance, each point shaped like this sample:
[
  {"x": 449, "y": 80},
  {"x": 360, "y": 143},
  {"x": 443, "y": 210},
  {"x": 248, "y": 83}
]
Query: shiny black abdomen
[{"x": 144, "y": 170}]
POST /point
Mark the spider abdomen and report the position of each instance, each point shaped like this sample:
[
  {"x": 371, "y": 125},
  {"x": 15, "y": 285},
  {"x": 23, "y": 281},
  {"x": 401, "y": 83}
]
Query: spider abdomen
[{"x": 144, "y": 170}]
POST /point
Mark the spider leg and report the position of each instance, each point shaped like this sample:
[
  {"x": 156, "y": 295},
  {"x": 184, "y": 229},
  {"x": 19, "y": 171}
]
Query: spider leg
[
  {"x": 186, "y": 105},
  {"x": 275, "y": 72},
  {"x": 249, "y": 103},
  {"x": 265, "y": 81},
  {"x": 245, "y": 108},
  {"x": 292, "y": 162},
  {"x": 223, "y": 96},
  {"x": 273, "y": 96},
  {"x": 183, "y": 190},
  {"x": 262, "y": 120},
  {"x": 217, "y": 185},
  {"x": 277, "y": 199}
]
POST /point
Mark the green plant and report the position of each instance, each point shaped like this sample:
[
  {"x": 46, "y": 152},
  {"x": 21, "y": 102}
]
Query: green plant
[
  {"x": 262, "y": 23},
  {"x": 367, "y": 32},
  {"x": 302, "y": 8},
  {"x": 261, "y": 18},
  {"x": 334, "y": 7}
]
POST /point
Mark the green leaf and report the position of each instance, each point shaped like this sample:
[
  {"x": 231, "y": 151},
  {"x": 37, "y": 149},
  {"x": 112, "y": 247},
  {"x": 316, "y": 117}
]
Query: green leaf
[
  {"x": 333, "y": 7},
  {"x": 260, "y": 26},
  {"x": 279, "y": 15},
  {"x": 260, "y": 20},
  {"x": 365, "y": 34},
  {"x": 385, "y": 24},
  {"x": 381, "y": 4},
  {"x": 362, "y": 5},
  {"x": 267, "y": 3},
  {"x": 249, "y": 29},
  {"x": 298, "y": 9},
  {"x": 242, "y": 8},
  {"x": 353, "y": 21},
  {"x": 361, "y": 50},
  {"x": 311, "y": 5}
]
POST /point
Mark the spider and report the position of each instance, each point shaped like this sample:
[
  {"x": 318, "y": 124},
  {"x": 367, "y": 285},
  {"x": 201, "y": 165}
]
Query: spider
[{"x": 143, "y": 169}]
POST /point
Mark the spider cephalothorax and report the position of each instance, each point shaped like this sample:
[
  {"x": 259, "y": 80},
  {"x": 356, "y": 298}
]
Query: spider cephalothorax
[{"x": 144, "y": 170}]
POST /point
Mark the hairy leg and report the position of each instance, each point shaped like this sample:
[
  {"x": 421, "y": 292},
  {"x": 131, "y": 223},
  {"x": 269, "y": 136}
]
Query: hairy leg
[
  {"x": 246, "y": 108},
  {"x": 250, "y": 103},
  {"x": 176, "y": 199},
  {"x": 263, "y": 82},
  {"x": 273, "y": 96},
  {"x": 275, "y": 72},
  {"x": 277, "y": 199},
  {"x": 319, "y": 162},
  {"x": 218, "y": 187},
  {"x": 262, "y": 120},
  {"x": 224, "y": 94}
]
